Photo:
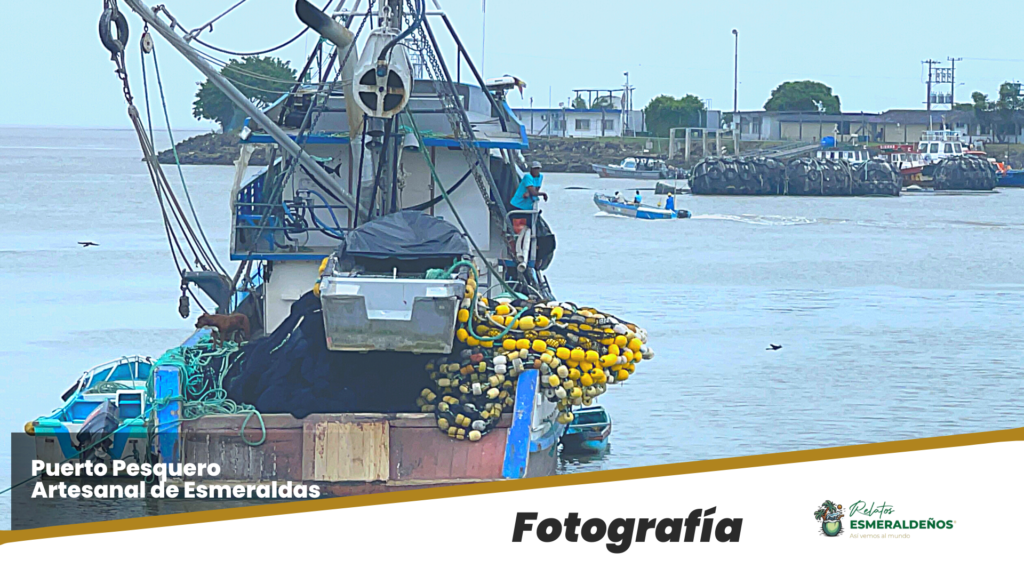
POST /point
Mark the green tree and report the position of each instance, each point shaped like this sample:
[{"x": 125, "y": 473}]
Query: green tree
[
  {"x": 801, "y": 96},
  {"x": 665, "y": 112},
  {"x": 262, "y": 79}
]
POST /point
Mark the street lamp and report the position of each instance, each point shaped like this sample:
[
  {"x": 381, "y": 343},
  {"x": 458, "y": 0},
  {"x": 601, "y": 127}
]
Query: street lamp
[{"x": 628, "y": 105}]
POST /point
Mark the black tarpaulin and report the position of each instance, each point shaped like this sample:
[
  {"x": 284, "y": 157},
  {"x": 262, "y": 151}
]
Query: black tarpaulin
[{"x": 406, "y": 235}]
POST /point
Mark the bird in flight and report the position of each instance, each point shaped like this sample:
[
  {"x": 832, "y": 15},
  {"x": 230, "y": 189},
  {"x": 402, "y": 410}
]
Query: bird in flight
[
  {"x": 774, "y": 347},
  {"x": 87, "y": 244}
]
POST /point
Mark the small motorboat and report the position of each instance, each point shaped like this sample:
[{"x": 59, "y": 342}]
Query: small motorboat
[
  {"x": 1011, "y": 179},
  {"x": 104, "y": 415},
  {"x": 588, "y": 432},
  {"x": 636, "y": 168},
  {"x": 640, "y": 211}
]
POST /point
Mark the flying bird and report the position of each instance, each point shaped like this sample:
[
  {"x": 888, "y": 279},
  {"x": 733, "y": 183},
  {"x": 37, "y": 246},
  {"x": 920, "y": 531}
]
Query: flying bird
[
  {"x": 87, "y": 244},
  {"x": 774, "y": 347}
]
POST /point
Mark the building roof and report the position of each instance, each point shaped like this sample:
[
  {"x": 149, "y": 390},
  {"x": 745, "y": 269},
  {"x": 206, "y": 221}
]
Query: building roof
[
  {"x": 572, "y": 110},
  {"x": 895, "y": 116}
]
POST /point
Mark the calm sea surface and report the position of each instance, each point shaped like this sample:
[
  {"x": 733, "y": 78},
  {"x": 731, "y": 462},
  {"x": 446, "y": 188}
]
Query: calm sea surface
[{"x": 899, "y": 317}]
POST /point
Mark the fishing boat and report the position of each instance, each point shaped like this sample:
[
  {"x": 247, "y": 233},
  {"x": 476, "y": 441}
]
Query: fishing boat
[
  {"x": 1011, "y": 179},
  {"x": 610, "y": 205},
  {"x": 854, "y": 155},
  {"x": 109, "y": 400},
  {"x": 589, "y": 431},
  {"x": 636, "y": 168},
  {"x": 368, "y": 363}
]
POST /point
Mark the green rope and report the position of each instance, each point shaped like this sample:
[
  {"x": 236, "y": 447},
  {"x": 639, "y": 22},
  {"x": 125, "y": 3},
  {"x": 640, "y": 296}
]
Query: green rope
[
  {"x": 472, "y": 306},
  {"x": 202, "y": 396}
]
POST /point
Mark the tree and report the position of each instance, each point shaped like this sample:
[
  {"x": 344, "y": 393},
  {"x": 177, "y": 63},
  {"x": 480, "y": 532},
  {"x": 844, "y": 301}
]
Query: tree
[
  {"x": 801, "y": 96},
  {"x": 665, "y": 112},
  {"x": 579, "y": 103},
  {"x": 262, "y": 79},
  {"x": 1002, "y": 116}
]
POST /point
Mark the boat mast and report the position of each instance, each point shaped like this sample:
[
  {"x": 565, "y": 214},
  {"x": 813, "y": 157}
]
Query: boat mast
[{"x": 238, "y": 99}]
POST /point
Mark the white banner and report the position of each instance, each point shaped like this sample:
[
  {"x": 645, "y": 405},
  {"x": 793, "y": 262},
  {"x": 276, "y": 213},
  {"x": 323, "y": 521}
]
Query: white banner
[{"x": 936, "y": 511}]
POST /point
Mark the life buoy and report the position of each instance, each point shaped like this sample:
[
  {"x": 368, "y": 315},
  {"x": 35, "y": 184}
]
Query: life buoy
[{"x": 114, "y": 45}]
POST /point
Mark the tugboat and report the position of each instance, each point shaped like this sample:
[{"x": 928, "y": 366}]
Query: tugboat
[
  {"x": 396, "y": 323},
  {"x": 903, "y": 157}
]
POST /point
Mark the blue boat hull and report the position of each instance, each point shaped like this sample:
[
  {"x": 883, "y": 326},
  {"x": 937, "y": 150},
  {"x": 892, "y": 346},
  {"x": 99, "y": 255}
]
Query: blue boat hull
[
  {"x": 640, "y": 212},
  {"x": 1011, "y": 179}
]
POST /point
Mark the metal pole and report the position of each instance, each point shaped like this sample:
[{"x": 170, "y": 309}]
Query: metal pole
[
  {"x": 736, "y": 77},
  {"x": 236, "y": 97}
]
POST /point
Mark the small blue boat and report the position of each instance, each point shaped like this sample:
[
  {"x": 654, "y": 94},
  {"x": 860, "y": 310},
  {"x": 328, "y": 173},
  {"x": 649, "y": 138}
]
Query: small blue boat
[
  {"x": 1011, "y": 179},
  {"x": 640, "y": 211},
  {"x": 588, "y": 432},
  {"x": 104, "y": 413}
]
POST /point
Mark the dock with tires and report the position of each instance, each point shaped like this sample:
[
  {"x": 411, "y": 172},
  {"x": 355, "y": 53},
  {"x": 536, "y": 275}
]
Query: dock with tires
[{"x": 828, "y": 177}]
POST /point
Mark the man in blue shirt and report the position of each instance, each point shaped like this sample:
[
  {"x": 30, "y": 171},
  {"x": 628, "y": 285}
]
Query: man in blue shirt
[
  {"x": 526, "y": 195},
  {"x": 670, "y": 203}
]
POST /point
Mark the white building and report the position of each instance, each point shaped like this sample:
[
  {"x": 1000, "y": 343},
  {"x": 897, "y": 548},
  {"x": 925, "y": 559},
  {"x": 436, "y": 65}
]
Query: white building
[{"x": 580, "y": 123}]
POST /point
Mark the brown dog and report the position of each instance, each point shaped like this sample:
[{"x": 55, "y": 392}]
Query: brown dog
[{"x": 227, "y": 325}]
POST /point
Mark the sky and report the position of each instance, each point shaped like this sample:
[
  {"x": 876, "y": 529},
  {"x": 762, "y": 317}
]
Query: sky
[{"x": 870, "y": 52}]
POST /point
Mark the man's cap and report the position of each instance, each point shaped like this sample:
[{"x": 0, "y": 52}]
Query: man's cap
[{"x": 535, "y": 164}]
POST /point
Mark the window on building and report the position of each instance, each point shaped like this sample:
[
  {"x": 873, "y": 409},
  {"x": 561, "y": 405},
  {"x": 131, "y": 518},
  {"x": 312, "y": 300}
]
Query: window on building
[
  {"x": 609, "y": 124},
  {"x": 582, "y": 124}
]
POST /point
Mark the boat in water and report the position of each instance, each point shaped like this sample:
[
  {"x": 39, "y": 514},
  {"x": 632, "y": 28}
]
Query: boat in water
[
  {"x": 636, "y": 168},
  {"x": 104, "y": 410},
  {"x": 369, "y": 359},
  {"x": 610, "y": 205},
  {"x": 903, "y": 157},
  {"x": 589, "y": 432},
  {"x": 1011, "y": 179}
]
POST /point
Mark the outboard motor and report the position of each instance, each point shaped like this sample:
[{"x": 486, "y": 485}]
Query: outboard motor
[{"x": 98, "y": 429}]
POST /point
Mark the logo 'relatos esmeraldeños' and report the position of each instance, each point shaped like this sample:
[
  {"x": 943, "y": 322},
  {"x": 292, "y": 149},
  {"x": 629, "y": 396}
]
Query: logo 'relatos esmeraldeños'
[{"x": 830, "y": 515}]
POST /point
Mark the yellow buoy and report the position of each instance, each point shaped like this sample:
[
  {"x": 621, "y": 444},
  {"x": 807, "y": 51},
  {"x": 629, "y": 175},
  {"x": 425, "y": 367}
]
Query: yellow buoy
[
  {"x": 592, "y": 356},
  {"x": 503, "y": 309},
  {"x": 462, "y": 334},
  {"x": 635, "y": 344},
  {"x": 523, "y": 344},
  {"x": 621, "y": 340},
  {"x": 577, "y": 355},
  {"x": 621, "y": 376},
  {"x": 609, "y": 360},
  {"x": 464, "y": 315},
  {"x": 563, "y": 353},
  {"x": 586, "y": 380},
  {"x": 526, "y": 323},
  {"x": 540, "y": 346},
  {"x": 509, "y": 344},
  {"x": 613, "y": 350}
]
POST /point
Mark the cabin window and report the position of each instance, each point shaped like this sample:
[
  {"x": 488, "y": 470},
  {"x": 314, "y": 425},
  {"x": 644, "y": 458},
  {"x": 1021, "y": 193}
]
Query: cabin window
[
  {"x": 922, "y": 147},
  {"x": 582, "y": 124},
  {"x": 948, "y": 148},
  {"x": 609, "y": 124},
  {"x": 958, "y": 148},
  {"x": 934, "y": 149}
]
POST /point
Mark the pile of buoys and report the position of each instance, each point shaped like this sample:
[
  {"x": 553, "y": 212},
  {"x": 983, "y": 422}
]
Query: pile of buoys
[
  {"x": 819, "y": 177},
  {"x": 738, "y": 176},
  {"x": 800, "y": 177},
  {"x": 964, "y": 173},
  {"x": 578, "y": 351},
  {"x": 876, "y": 177}
]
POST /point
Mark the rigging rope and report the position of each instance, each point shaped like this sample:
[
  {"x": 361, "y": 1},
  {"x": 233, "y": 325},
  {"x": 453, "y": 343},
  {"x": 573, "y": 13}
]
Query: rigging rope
[{"x": 181, "y": 174}]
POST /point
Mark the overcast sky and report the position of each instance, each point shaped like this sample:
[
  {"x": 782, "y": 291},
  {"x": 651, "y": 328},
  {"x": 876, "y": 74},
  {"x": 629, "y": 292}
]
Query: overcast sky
[{"x": 56, "y": 73}]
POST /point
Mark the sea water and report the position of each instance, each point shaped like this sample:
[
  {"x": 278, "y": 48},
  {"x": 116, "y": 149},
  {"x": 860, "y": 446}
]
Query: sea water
[{"x": 898, "y": 317}]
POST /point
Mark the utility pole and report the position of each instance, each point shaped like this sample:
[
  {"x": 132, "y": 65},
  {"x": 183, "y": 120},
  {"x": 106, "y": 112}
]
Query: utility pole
[
  {"x": 928, "y": 98},
  {"x": 952, "y": 81},
  {"x": 735, "y": 78}
]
